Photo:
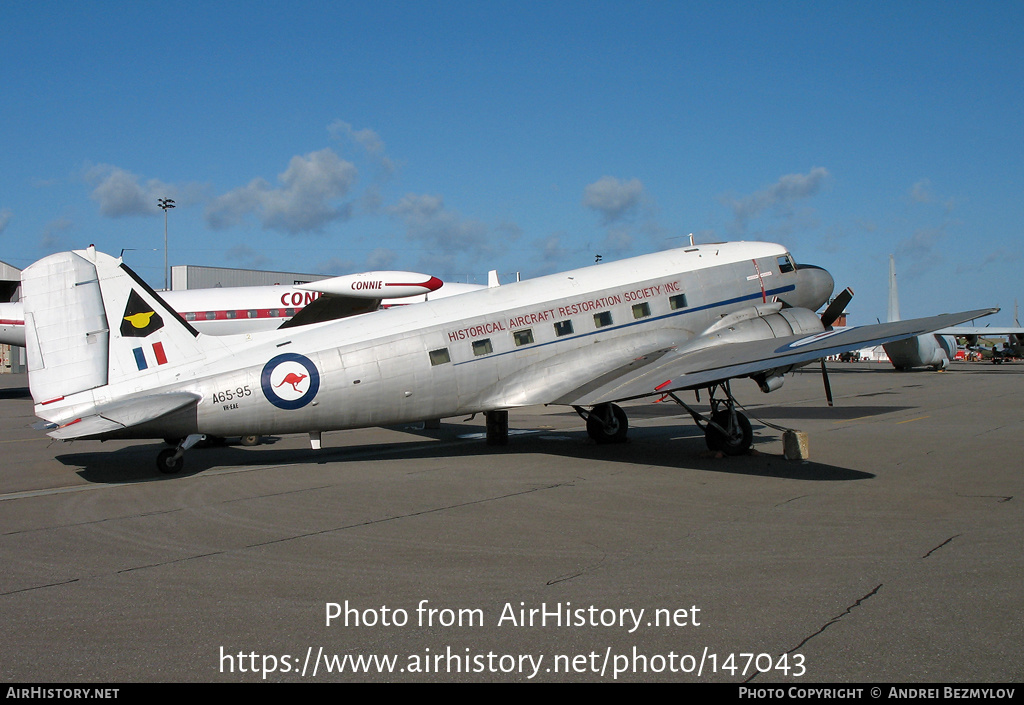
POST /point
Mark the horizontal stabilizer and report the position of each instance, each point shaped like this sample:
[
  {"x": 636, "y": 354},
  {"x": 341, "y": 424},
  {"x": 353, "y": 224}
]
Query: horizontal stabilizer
[{"x": 124, "y": 414}]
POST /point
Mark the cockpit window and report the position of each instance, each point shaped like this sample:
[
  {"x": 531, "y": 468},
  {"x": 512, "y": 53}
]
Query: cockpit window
[{"x": 786, "y": 264}]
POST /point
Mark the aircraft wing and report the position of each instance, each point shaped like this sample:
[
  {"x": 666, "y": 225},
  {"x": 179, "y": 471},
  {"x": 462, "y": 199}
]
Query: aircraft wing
[
  {"x": 122, "y": 414},
  {"x": 696, "y": 364},
  {"x": 330, "y": 307},
  {"x": 982, "y": 331}
]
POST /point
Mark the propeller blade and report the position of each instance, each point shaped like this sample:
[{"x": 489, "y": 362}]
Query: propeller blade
[
  {"x": 828, "y": 387},
  {"x": 836, "y": 308}
]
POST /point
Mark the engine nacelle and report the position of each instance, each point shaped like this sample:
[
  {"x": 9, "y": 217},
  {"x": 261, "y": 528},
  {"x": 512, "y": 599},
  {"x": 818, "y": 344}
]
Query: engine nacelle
[
  {"x": 771, "y": 380},
  {"x": 763, "y": 322}
]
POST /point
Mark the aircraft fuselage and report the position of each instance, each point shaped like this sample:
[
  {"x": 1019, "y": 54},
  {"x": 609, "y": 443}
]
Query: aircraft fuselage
[{"x": 495, "y": 348}]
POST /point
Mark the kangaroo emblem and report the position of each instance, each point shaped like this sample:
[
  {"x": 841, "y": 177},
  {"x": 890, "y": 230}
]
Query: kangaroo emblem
[
  {"x": 292, "y": 379},
  {"x": 301, "y": 371}
]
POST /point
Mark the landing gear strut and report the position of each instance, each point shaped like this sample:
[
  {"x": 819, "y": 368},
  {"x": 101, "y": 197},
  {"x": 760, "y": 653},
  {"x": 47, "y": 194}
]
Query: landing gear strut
[
  {"x": 727, "y": 430},
  {"x": 497, "y": 427},
  {"x": 606, "y": 423},
  {"x": 172, "y": 460}
]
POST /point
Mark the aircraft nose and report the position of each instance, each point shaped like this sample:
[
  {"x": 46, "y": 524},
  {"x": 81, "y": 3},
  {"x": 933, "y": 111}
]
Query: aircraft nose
[{"x": 814, "y": 287}]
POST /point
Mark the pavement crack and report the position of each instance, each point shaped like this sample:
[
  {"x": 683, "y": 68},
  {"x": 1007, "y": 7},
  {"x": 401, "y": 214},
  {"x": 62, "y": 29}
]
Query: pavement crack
[
  {"x": 582, "y": 571},
  {"x": 1000, "y": 498},
  {"x": 940, "y": 546},
  {"x": 828, "y": 624},
  {"x": 835, "y": 619},
  {"x": 371, "y": 522},
  {"x": 39, "y": 587}
]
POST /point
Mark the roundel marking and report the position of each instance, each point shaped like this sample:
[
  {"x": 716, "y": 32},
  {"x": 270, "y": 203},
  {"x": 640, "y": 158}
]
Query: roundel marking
[{"x": 290, "y": 381}]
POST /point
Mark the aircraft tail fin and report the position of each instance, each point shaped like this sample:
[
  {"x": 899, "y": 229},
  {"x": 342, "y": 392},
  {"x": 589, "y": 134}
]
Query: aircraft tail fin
[
  {"x": 91, "y": 321},
  {"x": 894, "y": 297}
]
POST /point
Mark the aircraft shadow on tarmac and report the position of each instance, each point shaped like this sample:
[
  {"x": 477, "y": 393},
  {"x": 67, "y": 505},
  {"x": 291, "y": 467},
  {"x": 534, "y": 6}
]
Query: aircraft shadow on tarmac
[
  {"x": 835, "y": 413},
  {"x": 15, "y": 393},
  {"x": 674, "y": 445}
]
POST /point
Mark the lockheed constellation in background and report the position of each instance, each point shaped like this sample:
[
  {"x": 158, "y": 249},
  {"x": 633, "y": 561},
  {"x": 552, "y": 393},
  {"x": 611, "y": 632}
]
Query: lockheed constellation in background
[
  {"x": 108, "y": 358},
  {"x": 249, "y": 309}
]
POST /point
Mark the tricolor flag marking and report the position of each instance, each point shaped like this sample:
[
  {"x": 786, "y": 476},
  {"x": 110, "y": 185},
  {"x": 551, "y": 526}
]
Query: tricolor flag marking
[{"x": 158, "y": 354}]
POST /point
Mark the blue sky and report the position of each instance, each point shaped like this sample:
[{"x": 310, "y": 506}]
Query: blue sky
[{"x": 457, "y": 137}]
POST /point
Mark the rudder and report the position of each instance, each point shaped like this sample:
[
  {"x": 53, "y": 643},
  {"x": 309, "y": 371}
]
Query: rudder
[
  {"x": 91, "y": 321},
  {"x": 66, "y": 335}
]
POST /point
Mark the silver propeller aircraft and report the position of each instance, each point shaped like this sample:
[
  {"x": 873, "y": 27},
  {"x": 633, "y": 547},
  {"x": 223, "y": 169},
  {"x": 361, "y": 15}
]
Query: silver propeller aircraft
[{"x": 109, "y": 359}]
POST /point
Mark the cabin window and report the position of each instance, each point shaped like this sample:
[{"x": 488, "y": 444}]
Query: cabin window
[
  {"x": 190, "y": 316},
  {"x": 253, "y": 314},
  {"x": 563, "y": 328},
  {"x": 231, "y": 314},
  {"x": 439, "y": 357},
  {"x": 523, "y": 337},
  {"x": 289, "y": 312},
  {"x": 786, "y": 264},
  {"x": 211, "y": 315},
  {"x": 677, "y": 302},
  {"x": 602, "y": 319},
  {"x": 641, "y": 310},
  {"x": 274, "y": 313},
  {"x": 482, "y": 347}
]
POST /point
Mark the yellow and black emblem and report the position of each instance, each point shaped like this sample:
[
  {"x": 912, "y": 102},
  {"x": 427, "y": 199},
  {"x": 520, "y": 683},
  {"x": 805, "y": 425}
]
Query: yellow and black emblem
[{"x": 139, "y": 318}]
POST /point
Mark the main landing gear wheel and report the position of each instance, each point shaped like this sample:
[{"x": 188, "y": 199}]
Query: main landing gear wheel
[
  {"x": 170, "y": 461},
  {"x": 607, "y": 423},
  {"x": 250, "y": 440},
  {"x": 729, "y": 432}
]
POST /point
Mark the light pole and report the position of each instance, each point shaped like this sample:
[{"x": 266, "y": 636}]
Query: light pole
[{"x": 165, "y": 203}]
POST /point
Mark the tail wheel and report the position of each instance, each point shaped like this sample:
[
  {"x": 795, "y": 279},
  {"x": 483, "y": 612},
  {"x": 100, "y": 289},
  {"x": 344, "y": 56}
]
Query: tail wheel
[
  {"x": 737, "y": 438},
  {"x": 607, "y": 423},
  {"x": 251, "y": 440},
  {"x": 170, "y": 461}
]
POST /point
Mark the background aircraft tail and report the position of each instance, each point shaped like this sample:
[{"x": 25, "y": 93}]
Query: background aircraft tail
[
  {"x": 894, "y": 297},
  {"x": 90, "y": 321}
]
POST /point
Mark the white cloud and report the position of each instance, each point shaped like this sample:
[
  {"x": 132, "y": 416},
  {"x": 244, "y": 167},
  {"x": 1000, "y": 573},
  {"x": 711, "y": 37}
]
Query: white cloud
[
  {"x": 452, "y": 244},
  {"x": 612, "y": 198},
  {"x": 921, "y": 192},
  {"x": 52, "y": 234},
  {"x": 999, "y": 256},
  {"x": 381, "y": 258},
  {"x": 120, "y": 193},
  {"x": 554, "y": 256},
  {"x": 418, "y": 210},
  {"x": 305, "y": 202},
  {"x": 365, "y": 138},
  {"x": 780, "y": 196},
  {"x": 921, "y": 250},
  {"x": 247, "y": 256}
]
